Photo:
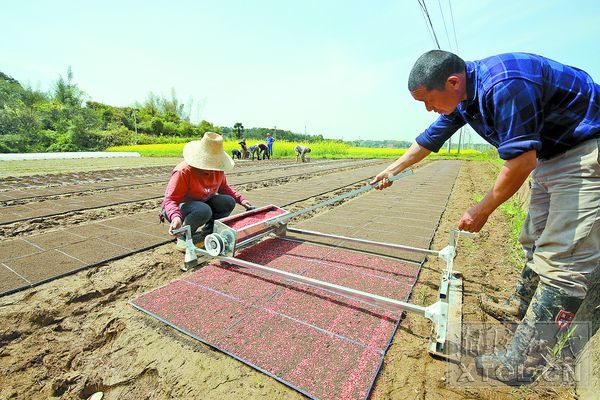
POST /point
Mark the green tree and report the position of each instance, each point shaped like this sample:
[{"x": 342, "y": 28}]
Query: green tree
[
  {"x": 205, "y": 126},
  {"x": 157, "y": 125},
  {"x": 173, "y": 108},
  {"x": 239, "y": 128},
  {"x": 66, "y": 91},
  {"x": 20, "y": 120}
]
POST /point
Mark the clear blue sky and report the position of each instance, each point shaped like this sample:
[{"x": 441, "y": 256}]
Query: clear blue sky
[{"x": 339, "y": 67}]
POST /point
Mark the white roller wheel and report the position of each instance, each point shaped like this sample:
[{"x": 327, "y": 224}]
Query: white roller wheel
[{"x": 214, "y": 244}]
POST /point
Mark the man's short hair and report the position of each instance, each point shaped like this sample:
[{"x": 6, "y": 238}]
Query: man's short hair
[{"x": 433, "y": 68}]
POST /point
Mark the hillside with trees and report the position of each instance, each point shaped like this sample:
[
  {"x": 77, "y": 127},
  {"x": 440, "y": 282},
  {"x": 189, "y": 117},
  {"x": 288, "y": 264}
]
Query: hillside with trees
[{"x": 66, "y": 119}]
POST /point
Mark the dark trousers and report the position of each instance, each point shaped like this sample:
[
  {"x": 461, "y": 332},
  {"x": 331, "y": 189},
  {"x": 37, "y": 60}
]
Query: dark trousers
[{"x": 198, "y": 213}]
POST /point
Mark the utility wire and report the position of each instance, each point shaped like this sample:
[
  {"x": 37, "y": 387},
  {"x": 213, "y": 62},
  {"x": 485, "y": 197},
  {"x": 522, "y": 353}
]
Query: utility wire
[
  {"x": 432, "y": 33},
  {"x": 453, "y": 26},
  {"x": 444, "y": 21},
  {"x": 456, "y": 44},
  {"x": 425, "y": 20},
  {"x": 428, "y": 20},
  {"x": 427, "y": 26}
]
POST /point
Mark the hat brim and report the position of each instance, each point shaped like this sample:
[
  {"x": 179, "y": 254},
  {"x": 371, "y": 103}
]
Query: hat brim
[{"x": 195, "y": 157}]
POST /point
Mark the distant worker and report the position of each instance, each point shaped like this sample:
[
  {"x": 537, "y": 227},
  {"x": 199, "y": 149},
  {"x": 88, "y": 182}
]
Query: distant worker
[
  {"x": 265, "y": 151},
  {"x": 258, "y": 150},
  {"x": 269, "y": 140},
  {"x": 253, "y": 150},
  {"x": 245, "y": 153},
  {"x": 198, "y": 193},
  {"x": 301, "y": 152},
  {"x": 235, "y": 153},
  {"x": 544, "y": 118}
]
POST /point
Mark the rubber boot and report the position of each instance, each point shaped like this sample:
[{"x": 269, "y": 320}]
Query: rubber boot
[
  {"x": 531, "y": 341},
  {"x": 514, "y": 307}
]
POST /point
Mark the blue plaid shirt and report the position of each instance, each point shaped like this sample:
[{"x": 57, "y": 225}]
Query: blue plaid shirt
[{"x": 519, "y": 102}]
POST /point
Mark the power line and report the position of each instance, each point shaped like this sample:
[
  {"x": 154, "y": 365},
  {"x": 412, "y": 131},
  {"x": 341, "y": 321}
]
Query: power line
[
  {"x": 453, "y": 26},
  {"x": 445, "y": 28},
  {"x": 432, "y": 33},
  {"x": 426, "y": 23},
  {"x": 428, "y": 20}
]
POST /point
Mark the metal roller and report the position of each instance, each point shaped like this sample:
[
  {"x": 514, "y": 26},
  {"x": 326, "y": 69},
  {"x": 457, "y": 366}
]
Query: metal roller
[{"x": 214, "y": 244}]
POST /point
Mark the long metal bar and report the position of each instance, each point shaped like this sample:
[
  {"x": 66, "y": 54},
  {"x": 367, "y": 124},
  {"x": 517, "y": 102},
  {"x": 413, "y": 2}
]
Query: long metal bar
[
  {"x": 385, "y": 302},
  {"x": 365, "y": 241},
  {"x": 287, "y": 217}
]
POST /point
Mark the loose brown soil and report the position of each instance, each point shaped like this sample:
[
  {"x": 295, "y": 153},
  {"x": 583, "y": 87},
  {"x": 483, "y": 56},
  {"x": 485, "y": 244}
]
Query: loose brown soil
[{"x": 78, "y": 335}]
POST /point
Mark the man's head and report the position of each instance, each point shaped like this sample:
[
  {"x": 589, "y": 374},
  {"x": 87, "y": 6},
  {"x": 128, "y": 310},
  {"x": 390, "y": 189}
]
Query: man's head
[
  {"x": 438, "y": 80},
  {"x": 268, "y": 134}
]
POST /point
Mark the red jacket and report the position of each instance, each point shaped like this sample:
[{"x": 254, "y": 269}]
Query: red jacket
[{"x": 188, "y": 183}]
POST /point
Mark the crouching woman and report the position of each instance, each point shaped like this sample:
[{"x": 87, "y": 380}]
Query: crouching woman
[{"x": 198, "y": 193}]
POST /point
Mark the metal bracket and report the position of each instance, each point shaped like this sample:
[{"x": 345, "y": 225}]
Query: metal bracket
[
  {"x": 191, "y": 258},
  {"x": 450, "y": 299},
  {"x": 446, "y": 316}
]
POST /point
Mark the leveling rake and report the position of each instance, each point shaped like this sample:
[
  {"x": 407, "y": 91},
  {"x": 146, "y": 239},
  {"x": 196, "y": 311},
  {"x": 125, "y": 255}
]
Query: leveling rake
[{"x": 231, "y": 235}]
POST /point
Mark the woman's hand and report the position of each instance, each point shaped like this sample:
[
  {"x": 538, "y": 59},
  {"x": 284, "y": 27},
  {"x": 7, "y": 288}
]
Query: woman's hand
[
  {"x": 247, "y": 205},
  {"x": 175, "y": 224}
]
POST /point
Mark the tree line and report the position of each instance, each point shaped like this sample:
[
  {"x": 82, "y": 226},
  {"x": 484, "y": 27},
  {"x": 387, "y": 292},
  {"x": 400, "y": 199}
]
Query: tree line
[{"x": 65, "y": 119}]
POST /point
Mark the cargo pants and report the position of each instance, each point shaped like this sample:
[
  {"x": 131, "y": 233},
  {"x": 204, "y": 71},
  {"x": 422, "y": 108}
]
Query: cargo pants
[{"x": 561, "y": 233}]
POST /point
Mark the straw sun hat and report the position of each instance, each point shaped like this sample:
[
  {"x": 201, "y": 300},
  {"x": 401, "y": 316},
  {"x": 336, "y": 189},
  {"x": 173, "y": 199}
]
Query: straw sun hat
[{"x": 208, "y": 153}]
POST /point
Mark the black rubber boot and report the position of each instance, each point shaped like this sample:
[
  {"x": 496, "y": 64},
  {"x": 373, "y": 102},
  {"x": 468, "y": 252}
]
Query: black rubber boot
[
  {"x": 514, "y": 307},
  {"x": 531, "y": 342}
]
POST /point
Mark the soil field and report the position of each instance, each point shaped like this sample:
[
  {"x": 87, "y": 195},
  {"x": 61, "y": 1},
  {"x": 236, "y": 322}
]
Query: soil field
[
  {"x": 77, "y": 335},
  {"x": 32, "y": 167}
]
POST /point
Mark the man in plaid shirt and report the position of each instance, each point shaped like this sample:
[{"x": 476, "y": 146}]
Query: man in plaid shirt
[{"x": 544, "y": 119}]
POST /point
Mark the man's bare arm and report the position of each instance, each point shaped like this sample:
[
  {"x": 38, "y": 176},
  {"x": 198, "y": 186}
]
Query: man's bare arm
[{"x": 512, "y": 175}]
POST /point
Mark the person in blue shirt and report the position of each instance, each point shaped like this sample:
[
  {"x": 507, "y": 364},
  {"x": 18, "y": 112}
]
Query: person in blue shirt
[
  {"x": 270, "y": 139},
  {"x": 544, "y": 119}
]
